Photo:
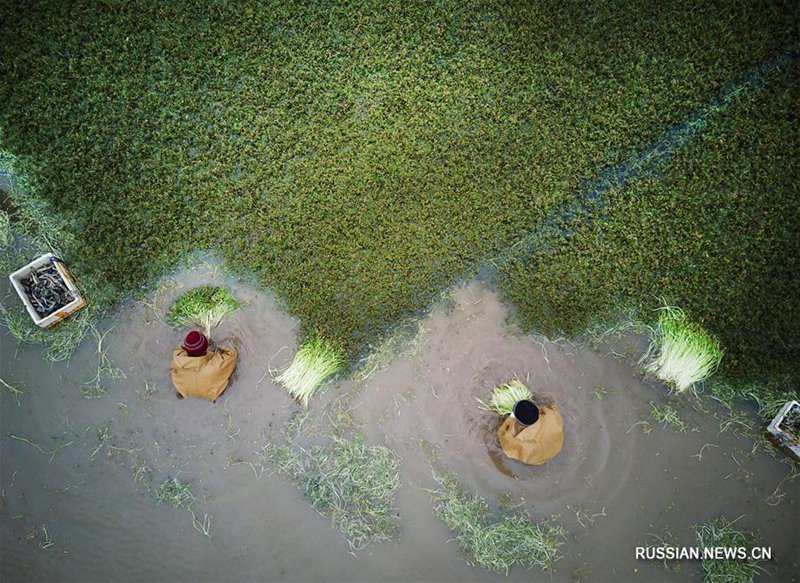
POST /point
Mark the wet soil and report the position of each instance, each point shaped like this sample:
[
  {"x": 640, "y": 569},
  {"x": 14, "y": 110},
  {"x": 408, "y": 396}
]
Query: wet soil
[{"x": 88, "y": 514}]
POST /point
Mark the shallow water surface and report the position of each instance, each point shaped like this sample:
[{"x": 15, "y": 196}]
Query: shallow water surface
[{"x": 88, "y": 513}]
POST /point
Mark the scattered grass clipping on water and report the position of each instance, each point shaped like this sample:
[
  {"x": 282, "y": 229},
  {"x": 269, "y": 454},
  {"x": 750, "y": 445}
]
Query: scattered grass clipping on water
[
  {"x": 681, "y": 352},
  {"x": 178, "y": 494},
  {"x": 203, "y": 307},
  {"x": 175, "y": 492},
  {"x": 347, "y": 480},
  {"x": 668, "y": 416},
  {"x": 494, "y": 542},
  {"x": 316, "y": 361},
  {"x": 505, "y": 396},
  {"x": 721, "y": 533}
]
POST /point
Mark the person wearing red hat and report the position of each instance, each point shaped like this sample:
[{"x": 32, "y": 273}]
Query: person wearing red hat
[{"x": 200, "y": 372}]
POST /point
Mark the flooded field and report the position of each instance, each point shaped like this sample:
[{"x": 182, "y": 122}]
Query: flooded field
[{"x": 78, "y": 474}]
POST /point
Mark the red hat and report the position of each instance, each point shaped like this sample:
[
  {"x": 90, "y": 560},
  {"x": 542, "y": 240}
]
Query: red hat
[{"x": 195, "y": 343}]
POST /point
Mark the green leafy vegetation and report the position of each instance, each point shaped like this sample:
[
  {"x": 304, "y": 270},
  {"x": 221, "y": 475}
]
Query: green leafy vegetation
[
  {"x": 770, "y": 393},
  {"x": 404, "y": 341},
  {"x": 6, "y": 234},
  {"x": 681, "y": 353},
  {"x": 345, "y": 479},
  {"x": 494, "y": 542},
  {"x": 316, "y": 361},
  {"x": 505, "y": 396},
  {"x": 721, "y": 533},
  {"x": 204, "y": 307},
  {"x": 357, "y": 157}
]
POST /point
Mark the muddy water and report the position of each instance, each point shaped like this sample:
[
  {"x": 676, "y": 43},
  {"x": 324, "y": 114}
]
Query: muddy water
[{"x": 88, "y": 513}]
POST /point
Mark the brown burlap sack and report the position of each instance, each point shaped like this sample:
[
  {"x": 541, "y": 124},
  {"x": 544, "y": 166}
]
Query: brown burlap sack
[
  {"x": 204, "y": 377},
  {"x": 536, "y": 444}
]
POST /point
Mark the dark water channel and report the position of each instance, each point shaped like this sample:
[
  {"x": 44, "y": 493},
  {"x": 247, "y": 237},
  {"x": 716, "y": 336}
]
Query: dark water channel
[{"x": 88, "y": 513}]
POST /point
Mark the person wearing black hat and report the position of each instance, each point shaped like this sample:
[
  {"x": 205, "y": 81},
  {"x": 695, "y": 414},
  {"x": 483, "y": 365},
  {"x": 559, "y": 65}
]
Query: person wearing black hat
[
  {"x": 200, "y": 372},
  {"x": 532, "y": 435}
]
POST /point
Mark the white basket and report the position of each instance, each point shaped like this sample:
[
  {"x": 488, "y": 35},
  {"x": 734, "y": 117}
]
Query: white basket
[
  {"x": 54, "y": 318},
  {"x": 784, "y": 439}
]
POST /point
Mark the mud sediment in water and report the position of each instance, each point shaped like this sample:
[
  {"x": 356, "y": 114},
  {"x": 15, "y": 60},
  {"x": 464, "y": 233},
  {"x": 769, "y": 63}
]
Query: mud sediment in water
[{"x": 612, "y": 487}]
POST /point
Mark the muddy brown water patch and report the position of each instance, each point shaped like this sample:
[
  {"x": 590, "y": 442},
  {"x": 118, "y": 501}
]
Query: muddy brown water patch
[
  {"x": 467, "y": 353},
  {"x": 612, "y": 485}
]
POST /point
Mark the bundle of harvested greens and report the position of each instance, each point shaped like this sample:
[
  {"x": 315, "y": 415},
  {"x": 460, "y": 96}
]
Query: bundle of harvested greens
[
  {"x": 681, "y": 353},
  {"x": 46, "y": 290},
  {"x": 316, "y": 361},
  {"x": 203, "y": 306},
  {"x": 506, "y": 396}
]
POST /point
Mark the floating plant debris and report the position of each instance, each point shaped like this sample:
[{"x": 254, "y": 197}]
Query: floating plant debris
[
  {"x": 494, "y": 541},
  {"x": 346, "y": 479},
  {"x": 721, "y": 533}
]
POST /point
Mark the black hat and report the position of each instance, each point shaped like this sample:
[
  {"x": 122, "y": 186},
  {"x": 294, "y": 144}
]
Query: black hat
[{"x": 526, "y": 412}]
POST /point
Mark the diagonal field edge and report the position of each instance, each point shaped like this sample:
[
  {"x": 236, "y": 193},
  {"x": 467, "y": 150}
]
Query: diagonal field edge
[{"x": 590, "y": 200}]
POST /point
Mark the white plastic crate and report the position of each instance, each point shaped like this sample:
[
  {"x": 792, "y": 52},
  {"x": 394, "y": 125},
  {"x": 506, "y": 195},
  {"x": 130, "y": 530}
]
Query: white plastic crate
[
  {"x": 784, "y": 438},
  {"x": 54, "y": 318}
]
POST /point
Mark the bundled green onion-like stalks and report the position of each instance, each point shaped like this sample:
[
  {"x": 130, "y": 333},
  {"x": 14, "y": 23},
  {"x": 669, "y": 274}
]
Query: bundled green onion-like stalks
[
  {"x": 506, "y": 396},
  {"x": 681, "y": 353},
  {"x": 315, "y": 362},
  {"x": 204, "y": 307}
]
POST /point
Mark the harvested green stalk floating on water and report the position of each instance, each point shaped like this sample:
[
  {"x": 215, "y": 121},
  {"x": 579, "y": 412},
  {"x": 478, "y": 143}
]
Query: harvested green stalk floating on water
[
  {"x": 668, "y": 416},
  {"x": 347, "y": 480},
  {"x": 506, "y": 396},
  {"x": 175, "y": 492},
  {"x": 204, "y": 307},
  {"x": 316, "y": 361},
  {"x": 681, "y": 353},
  {"x": 494, "y": 543},
  {"x": 721, "y": 533}
]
